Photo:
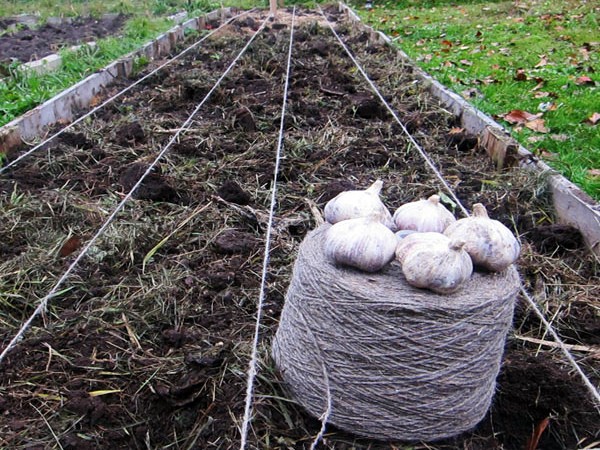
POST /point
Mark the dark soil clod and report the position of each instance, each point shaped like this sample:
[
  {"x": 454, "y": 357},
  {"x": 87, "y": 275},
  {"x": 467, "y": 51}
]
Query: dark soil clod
[
  {"x": 232, "y": 192},
  {"x": 153, "y": 188}
]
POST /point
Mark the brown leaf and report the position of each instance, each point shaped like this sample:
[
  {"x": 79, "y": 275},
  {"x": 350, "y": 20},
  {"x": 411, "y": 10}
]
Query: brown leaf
[
  {"x": 584, "y": 80},
  {"x": 594, "y": 173},
  {"x": 447, "y": 43},
  {"x": 533, "y": 441},
  {"x": 543, "y": 62},
  {"x": 541, "y": 94},
  {"x": 538, "y": 125},
  {"x": 466, "y": 62},
  {"x": 456, "y": 130},
  {"x": 521, "y": 75},
  {"x": 593, "y": 119},
  {"x": 538, "y": 86},
  {"x": 519, "y": 116},
  {"x": 70, "y": 245}
]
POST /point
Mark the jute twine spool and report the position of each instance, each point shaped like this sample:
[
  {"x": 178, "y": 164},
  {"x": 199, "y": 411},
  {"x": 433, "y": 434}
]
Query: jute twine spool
[{"x": 401, "y": 363}]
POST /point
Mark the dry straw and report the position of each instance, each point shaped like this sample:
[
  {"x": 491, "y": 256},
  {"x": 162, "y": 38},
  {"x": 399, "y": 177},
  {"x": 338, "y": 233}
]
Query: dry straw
[{"x": 401, "y": 363}]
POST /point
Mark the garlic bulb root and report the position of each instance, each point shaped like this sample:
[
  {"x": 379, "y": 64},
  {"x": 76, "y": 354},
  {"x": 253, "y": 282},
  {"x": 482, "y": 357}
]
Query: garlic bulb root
[
  {"x": 490, "y": 244},
  {"x": 363, "y": 243},
  {"x": 423, "y": 215},
  {"x": 441, "y": 267},
  {"x": 355, "y": 204}
]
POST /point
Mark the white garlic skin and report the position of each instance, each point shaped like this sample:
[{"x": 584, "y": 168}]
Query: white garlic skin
[
  {"x": 441, "y": 266},
  {"x": 424, "y": 216},
  {"x": 363, "y": 243},
  {"x": 354, "y": 204},
  {"x": 414, "y": 239},
  {"x": 490, "y": 244}
]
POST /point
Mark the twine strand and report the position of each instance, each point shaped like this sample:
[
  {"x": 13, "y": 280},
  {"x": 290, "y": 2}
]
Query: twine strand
[
  {"x": 252, "y": 370},
  {"x": 186, "y": 125},
  {"x": 119, "y": 94}
]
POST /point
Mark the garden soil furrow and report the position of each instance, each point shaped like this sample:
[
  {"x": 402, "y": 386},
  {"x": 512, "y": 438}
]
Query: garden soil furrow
[{"x": 147, "y": 345}]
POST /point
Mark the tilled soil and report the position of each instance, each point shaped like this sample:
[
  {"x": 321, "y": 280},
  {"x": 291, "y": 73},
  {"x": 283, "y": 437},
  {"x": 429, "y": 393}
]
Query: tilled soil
[
  {"x": 148, "y": 343},
  {"x": 27, "y": 44}
]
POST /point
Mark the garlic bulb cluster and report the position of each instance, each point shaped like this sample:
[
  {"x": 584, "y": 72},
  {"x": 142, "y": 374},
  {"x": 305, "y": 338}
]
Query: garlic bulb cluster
[
  {"x": 354, "y": 204},
  {"x": 424, "y": 216},
  {"x": 489, "y": 243},
  {"x": 433, "y": 261},
  {"x": 363, "y": 243}
]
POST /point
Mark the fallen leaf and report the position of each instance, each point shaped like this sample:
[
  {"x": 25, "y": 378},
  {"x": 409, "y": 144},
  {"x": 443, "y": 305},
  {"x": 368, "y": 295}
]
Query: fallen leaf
[
  {"x": 456, "y": 130},
  {"x": 547, "y": 106},
  {"x": 519, "y": 116},
  {"x": 69, "y": 246},
  {"x": 447, "y": 43},
  {"x": 593, "y": 119},
  {"x": 466, "y": 62},
  {"x": 521, "y": 75},
  {"x": 538, "y": 125},
  {"x": 541, "y": 94},
  {"x": 559, "y": 137},
  {"x": 471, "y": 93},
  {"x": 584, "y": 80},
  {"x": 543, "y": 61},
  {"x": 538, "y": 86},
  {"x": 594, "y": 173},
  {"x": 546, "y": 154}
]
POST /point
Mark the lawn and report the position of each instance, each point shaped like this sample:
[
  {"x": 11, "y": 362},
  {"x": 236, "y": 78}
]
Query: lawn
[{"x": 533, "y": 65}]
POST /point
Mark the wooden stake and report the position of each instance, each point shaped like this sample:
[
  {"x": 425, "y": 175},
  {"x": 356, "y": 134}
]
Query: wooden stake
[{"x": 273, "y": 5}]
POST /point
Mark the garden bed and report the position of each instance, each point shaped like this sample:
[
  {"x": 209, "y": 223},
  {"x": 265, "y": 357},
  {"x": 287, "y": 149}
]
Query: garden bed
[
  {"x": 28, "y": 44},
  {"x": 148, "y": 343}
]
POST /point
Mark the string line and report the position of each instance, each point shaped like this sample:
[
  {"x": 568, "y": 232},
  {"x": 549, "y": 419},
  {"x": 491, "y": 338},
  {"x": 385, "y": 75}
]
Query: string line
[
  {"x": 186, "y": 125},
  {"x": 254, "y": 356},
  {"x": 119, "y": 94},
  {"x": 593, "y": 390}
]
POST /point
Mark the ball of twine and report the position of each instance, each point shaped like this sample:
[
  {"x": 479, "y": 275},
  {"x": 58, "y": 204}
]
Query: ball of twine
[{"x": 400, "y": 363}]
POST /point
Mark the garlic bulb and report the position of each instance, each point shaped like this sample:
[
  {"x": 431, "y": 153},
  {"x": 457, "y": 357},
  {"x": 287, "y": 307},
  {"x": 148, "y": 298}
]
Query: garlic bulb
[
  {"x": 416, "y": 239},
  {"x": 489, "y": 243},
  {"x": 354, "y": 204},
  {"x": 423, "y": 215},
  {"x": 363, "y": 243},
  {"x": 442, "y": 267}
]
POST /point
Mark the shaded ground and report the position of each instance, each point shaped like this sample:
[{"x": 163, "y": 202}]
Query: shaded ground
[
  {"x": 26, "y": 44},
  {"x": 149, "y": 346}
]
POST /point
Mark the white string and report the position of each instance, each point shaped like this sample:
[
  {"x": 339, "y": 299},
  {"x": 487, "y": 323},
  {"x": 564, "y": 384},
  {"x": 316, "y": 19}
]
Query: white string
[
  {"x": 43, "y": 303},
  {"x": 263, "y": 281},
  {"x": 593, "y": 390},
  {"x": 118, "y": 94},
  {"x": 395, "y": 116}
]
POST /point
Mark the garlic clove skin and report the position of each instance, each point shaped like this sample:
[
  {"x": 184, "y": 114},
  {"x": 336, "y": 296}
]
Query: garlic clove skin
[
  {"x": 490, "y": 244},
  {"x": 423, "y": 216},
  {"x": 363, "y": 243},
  {"x": 441, "y": 268},
  {"x": 354, "y": 204},
  {"x": 416, "y": 239}
]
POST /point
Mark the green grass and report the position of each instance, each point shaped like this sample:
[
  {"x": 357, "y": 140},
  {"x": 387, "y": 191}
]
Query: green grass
[{"x": 478, "y": 47}]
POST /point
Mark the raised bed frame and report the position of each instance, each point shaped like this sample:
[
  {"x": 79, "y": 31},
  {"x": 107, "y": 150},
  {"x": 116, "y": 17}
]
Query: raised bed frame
[{"x": 571, "y": 204}]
